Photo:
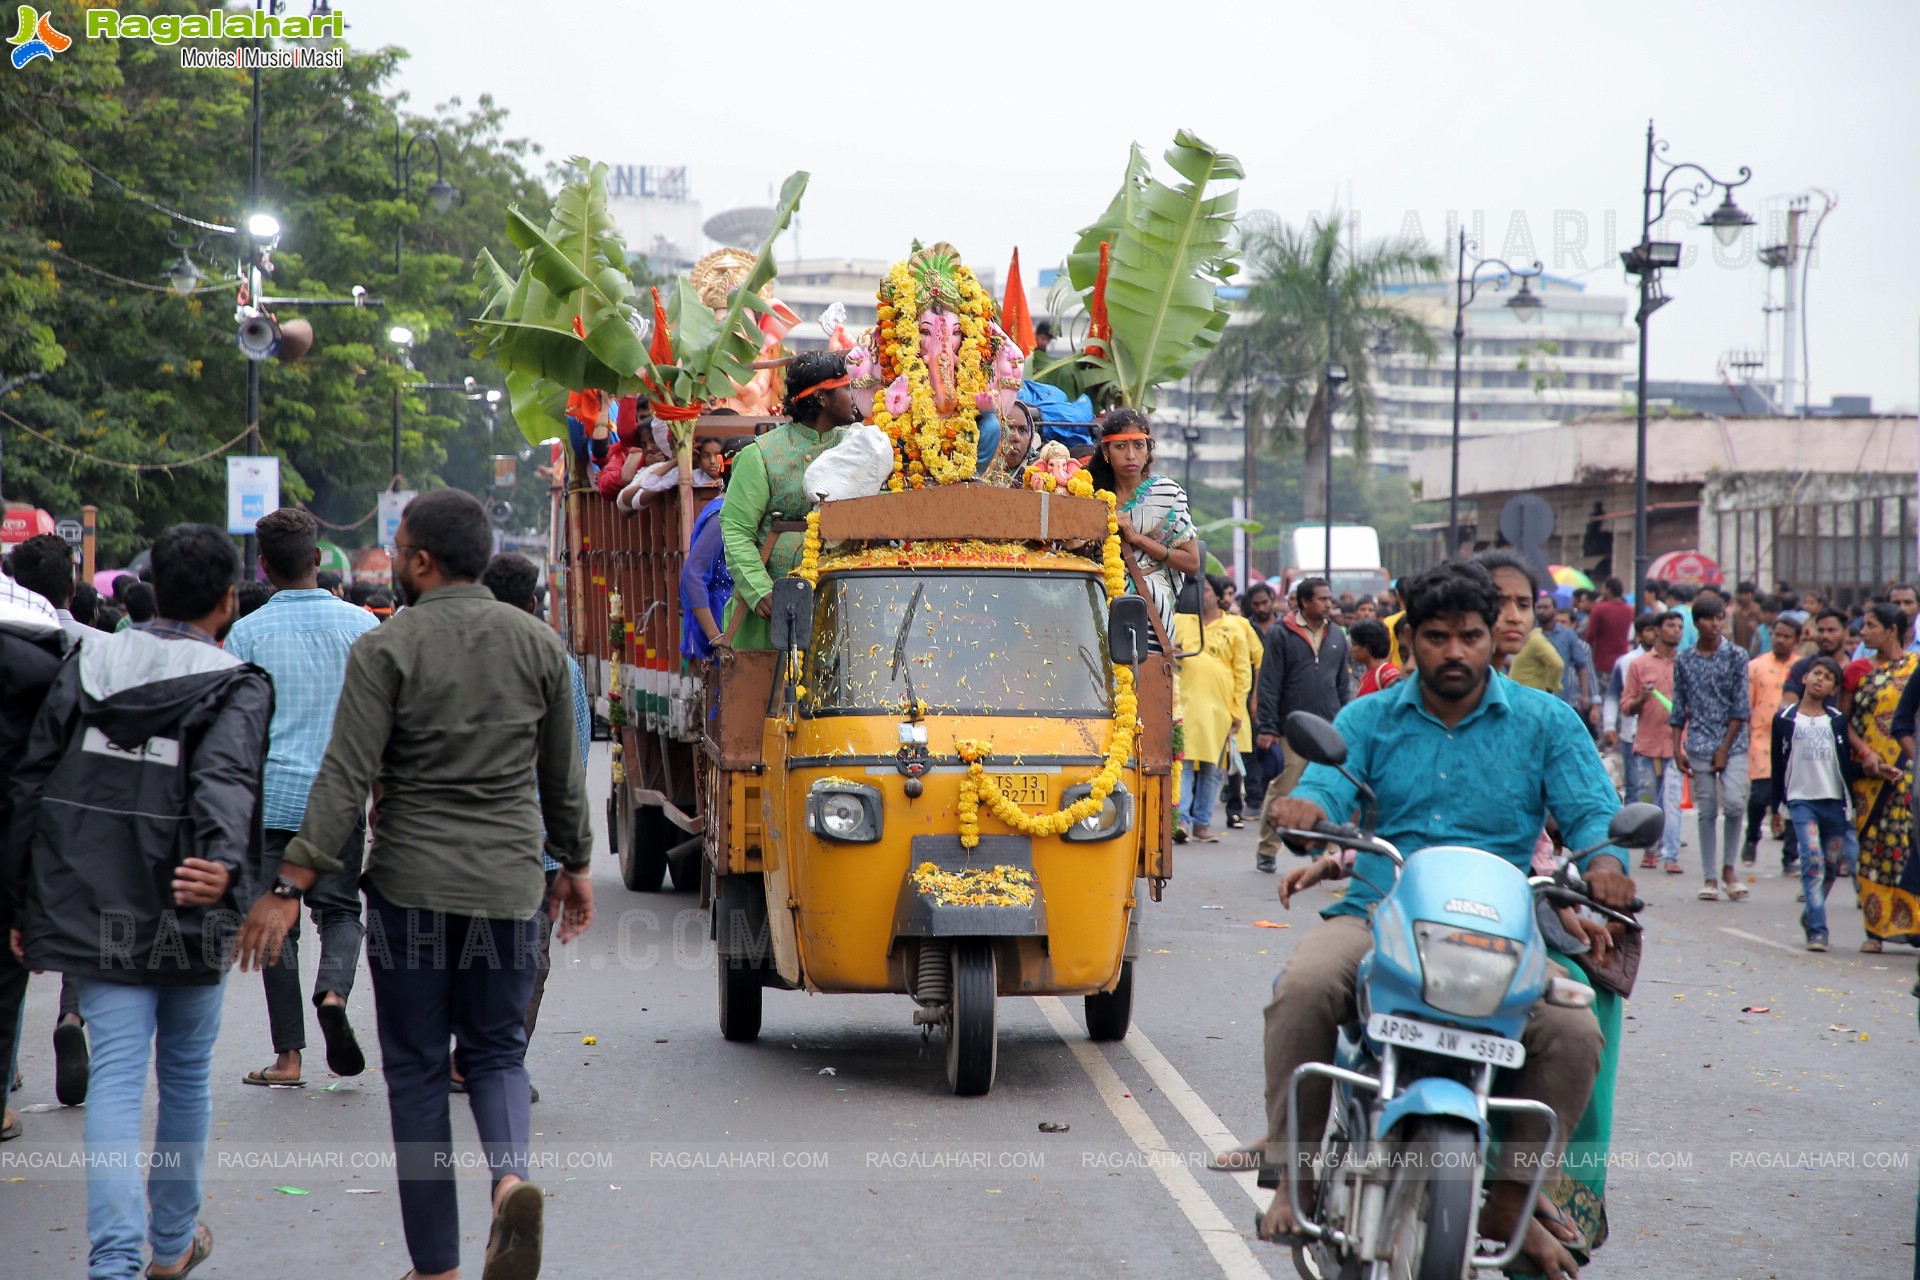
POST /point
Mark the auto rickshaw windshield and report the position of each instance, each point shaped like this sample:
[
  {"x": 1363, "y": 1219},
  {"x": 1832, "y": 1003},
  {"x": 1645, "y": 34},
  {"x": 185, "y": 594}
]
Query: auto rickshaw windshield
[{"x": 979, "y": 643}]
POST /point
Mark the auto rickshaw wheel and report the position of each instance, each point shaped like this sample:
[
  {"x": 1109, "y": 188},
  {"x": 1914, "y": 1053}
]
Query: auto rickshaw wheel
[
  {"x": 643, "y": 856},
  {"x": 740, "y": 994},
  {"x": 1110, "y": 1013},
  {"x": 973, "y": 1041}
]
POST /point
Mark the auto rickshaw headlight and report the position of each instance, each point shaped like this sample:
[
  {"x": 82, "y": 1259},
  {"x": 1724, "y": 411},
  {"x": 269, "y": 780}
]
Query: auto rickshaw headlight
[
  {"x": 848, "y": 812},
  {"x": 1115, "y": 817}
]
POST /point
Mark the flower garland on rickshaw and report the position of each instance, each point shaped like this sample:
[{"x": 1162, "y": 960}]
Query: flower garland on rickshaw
[{"x": 927, "y": 447}]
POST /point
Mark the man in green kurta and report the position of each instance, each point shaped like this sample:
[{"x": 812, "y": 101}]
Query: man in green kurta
[{"x": 766, "y": 485}]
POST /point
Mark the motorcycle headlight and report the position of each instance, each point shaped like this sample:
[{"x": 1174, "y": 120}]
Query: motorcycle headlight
[
  {"x": 847, "y": 812},
  {"x": 1115, "y": 817},
  {"x": 1464, "y": 972}
]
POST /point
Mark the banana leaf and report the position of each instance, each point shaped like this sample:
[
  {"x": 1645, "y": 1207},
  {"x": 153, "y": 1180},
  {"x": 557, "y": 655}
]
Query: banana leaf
[
  {"x": 1172, "y": 247},
  {"x": 575, "y": 267}
]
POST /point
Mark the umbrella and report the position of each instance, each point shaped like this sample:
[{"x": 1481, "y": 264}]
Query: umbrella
[{"x": 1566, "y": 575}]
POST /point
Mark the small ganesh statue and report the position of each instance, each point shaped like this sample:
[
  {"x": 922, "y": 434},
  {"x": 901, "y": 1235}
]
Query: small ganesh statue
[{"x": 936, "y": 372}]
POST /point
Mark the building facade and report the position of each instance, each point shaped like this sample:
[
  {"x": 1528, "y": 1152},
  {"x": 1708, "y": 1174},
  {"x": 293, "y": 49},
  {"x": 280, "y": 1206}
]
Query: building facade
[{"x": 1573, "y": 359}]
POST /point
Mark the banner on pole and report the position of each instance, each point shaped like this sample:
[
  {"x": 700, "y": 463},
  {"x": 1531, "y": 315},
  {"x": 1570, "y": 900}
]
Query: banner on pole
[
  {"x": 392, "y": 503},
  {"x": 253, "y": 490}
]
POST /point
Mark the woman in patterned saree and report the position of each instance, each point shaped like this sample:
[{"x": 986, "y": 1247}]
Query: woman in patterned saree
[
  {"x": 1154, "y": 522},
  {"x": 1887, "y": 877}
]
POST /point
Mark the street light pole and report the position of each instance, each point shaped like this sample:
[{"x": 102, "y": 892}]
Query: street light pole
[
  {"x": 1525, "y": 305},
  {"x": 1646, "y": 260},
  {"x": 441, "y": 193},
  {"x": 1336, "y": 374},
  {"x": 248, "y": 555}
]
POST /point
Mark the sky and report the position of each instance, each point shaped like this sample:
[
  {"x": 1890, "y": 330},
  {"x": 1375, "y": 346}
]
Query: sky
[{"x": 999, "y": 124}]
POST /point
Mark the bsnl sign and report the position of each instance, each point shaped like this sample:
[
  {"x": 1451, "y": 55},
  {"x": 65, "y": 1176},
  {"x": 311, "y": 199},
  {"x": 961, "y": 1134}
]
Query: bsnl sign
[{"x": 647, "y": 181}]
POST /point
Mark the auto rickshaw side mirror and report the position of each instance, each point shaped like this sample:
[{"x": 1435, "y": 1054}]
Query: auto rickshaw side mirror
[
  {"x": 1188, "y": 601},
  {"x": 792, "y": 622},
  {"x": 1128, "y": 629},
  {"x": 1315, "y": 739}
]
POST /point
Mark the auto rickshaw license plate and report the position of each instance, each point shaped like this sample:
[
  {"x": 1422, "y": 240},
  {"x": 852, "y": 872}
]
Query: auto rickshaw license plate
[{"x": 1028, "y": 790}]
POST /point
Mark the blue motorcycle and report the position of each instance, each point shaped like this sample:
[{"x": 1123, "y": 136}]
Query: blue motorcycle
[{"x": 1459, "y": 961}]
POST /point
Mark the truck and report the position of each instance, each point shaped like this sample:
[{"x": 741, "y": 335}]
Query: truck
[{"x": 1356, "y": 566}]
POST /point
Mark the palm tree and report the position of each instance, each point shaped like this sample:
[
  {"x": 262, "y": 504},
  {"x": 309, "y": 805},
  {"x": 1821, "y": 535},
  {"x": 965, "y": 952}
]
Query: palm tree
[{"x": 1292, "y": 276}]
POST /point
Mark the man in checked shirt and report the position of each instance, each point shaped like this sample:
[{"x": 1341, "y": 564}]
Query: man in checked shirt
[{"x": 301, "y": 636}]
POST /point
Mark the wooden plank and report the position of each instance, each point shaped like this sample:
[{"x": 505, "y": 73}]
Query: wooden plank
[{"x": 954, "y": 512}]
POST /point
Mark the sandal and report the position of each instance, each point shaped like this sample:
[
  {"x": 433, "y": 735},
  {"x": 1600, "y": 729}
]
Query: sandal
[
  {"x": 1736, "y": 891},
  {"x": 1872, "y": 947},
  {"x": 1675, "y": 869},
  {"x": 13, "y": 1128},
  {"x": 261, "y": 1077},
  {"x": 344, "y": 1056},
  {"x": 1649, "y": 861},
  {"x": 1711, "y": 893},
  {"x": 201, "y": 1251},
  {"x": 513, "y": 1249}
]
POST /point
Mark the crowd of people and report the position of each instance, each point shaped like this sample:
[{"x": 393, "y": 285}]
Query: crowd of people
[{"x": 177, "y": 788}]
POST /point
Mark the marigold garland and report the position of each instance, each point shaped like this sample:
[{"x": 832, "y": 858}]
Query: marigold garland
[
  {"x": 978, "y": 785},
  {"x": 808, "y": 570}
]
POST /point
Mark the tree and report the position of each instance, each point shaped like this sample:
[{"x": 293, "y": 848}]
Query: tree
[
  {"x": 96, "y": 145},
  {"x": 1292, "y": 276}
]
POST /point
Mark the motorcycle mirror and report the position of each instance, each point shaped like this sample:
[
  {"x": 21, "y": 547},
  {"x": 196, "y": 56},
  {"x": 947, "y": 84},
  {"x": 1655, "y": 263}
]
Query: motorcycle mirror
[
  {"x": 1637, "y": 826},
  {"x": 792, "y": 622},
  {"x": 1312, "y": 737}
]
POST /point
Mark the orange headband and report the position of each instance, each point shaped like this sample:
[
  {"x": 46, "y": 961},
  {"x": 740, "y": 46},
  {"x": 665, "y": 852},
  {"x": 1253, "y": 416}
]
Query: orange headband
[
  {"x": 1125, "y": 435},
  {"x": 831, "y": 384}
]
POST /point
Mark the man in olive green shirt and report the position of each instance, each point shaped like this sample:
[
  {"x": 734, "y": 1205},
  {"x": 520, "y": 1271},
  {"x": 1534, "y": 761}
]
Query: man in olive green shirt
[
  {"x": 766, "y": 485},
  {"x": 461, "y": 713}
]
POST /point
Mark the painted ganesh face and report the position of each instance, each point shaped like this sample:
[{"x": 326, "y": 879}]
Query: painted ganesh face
[{"x": 940, "y": 347}]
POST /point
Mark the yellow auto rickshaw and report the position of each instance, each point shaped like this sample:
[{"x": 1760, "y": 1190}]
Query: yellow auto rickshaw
[{"x": 951, "y": 775}]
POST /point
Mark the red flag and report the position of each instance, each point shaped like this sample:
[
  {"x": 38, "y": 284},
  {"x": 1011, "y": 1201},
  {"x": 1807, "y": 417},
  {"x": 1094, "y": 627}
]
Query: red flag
[
  {"x": 1098, "y": 331},
  {"x": 1014, "y": 316}
]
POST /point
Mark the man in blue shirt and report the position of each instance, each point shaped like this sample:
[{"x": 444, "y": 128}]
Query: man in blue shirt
[
  {"x": 1454, "y": 755},
  {"x": 301, "y": 636}
]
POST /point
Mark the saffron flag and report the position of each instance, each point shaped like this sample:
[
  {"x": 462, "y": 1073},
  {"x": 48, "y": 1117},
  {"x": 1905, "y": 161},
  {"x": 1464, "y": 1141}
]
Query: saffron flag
[{"x": 1014, "y": 316}]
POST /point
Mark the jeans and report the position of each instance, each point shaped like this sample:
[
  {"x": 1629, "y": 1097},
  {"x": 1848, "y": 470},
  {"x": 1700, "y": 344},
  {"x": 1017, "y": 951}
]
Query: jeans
[
  {"x": 1719, "y": 799},
  {"x": 1759, "y": 804},
  {"x": 1659, "y": 783},
  {"x": 437, "y": 976},
  {"x": 544, "y": 958},
  {"x": 1280, "y": 784},
  {"x": 334, "y": 902},
  {"x": 1197, "y": 793},
  {"x": 174, "y": 1026},
  {"x": 1629, "y": 774},
  {"x": 1823, "y": 828}
]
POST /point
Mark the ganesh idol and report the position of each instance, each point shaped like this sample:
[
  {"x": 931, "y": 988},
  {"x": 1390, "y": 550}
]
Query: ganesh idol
[{"x": 936, "y": 373}]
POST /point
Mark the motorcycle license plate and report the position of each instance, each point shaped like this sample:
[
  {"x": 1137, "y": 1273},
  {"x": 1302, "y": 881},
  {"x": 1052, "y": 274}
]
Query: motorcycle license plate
[
  {"x": 1448, "y": 1041},
  {"x": 1028, "y": 790}
]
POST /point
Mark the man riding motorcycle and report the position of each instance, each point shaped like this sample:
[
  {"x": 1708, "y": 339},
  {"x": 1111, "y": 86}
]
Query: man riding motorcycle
[{"x": 1455, "y": 755}]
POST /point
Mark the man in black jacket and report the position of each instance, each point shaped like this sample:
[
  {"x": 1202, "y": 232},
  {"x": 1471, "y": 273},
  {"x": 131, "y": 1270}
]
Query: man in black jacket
[
  {"x": 135, "y": 838},
  {"x": 1305, "y": 670},
  {"x": 31, "y": 645}
]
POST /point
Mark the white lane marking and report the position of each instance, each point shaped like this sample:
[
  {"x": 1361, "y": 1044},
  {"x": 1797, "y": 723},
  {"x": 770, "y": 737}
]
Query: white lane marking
[
  {"x": 1228, "y": 1247},
  {"x": 1192, "y": 1108},
  {"x": 1765, "y": 942}
]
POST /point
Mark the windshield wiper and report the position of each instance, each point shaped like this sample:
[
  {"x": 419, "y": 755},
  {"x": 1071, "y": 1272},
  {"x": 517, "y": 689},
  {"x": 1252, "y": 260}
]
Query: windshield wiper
[{"x": 900, "y": 665}]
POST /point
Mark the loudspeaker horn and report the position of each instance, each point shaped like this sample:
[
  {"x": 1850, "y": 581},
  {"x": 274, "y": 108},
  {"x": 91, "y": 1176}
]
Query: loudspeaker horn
[
  {"x": 296, "y": 339},
  {"x": 259, "y": 337}
]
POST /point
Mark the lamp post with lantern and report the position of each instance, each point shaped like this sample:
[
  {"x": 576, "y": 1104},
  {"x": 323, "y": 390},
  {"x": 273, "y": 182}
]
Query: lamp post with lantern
[
  {"x": 1525, "y": 305},
  {"x": 1646, "y": 260}
]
